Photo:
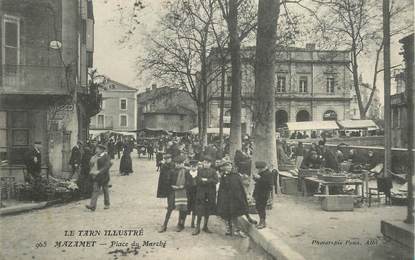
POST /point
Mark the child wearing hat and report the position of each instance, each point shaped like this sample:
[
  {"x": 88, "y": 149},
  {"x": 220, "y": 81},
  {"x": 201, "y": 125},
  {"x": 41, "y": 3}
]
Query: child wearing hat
[
  {"x": 232, "y": 200},
  {"x": 206, "y": 181},
  {"x": 179, "y": 181},
  {"x": 263, "y": 186}
]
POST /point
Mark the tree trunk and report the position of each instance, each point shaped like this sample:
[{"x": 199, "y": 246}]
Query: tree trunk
[
  {"x": 222, "y": 103},
  {"x": 355, "y": 74},
  {"x": 235, "y": 50},
  {"x": 264, "y": 132},
  {"x": 205, "y": 103}
]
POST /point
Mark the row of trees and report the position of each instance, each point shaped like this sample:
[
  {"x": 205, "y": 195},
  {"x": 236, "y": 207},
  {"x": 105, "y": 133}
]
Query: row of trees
[{"x": 179, "y": 51}]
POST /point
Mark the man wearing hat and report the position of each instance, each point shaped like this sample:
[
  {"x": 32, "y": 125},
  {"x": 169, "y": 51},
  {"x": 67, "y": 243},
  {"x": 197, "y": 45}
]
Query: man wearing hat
[
  {"x": 263, "y": 186},
  {"x": 75, "y": 159},
  {"x": 166, "y": 167},
  {"x": 33, "y": 162},
  {"x": 100, "y": 167}
]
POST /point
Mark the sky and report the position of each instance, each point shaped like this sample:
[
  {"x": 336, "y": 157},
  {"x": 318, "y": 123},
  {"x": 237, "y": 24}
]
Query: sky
[{"x": 117, "y": 60}]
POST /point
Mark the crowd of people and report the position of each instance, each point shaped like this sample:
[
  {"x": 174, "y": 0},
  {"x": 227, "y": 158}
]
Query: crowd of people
[{"x": 205, "y": 182}]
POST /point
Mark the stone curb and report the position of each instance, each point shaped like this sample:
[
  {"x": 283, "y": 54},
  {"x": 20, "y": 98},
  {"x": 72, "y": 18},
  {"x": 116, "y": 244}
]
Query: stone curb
[
  {"x": 27, "y": 207},
  {"x": 271, "y": 243}
]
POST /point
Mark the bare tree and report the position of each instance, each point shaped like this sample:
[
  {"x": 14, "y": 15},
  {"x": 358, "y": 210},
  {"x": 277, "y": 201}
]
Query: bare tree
[{"x": 178, "y": 53}]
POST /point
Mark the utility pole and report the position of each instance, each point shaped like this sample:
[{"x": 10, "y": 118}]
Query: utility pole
[{"x": 387, "y": 86}]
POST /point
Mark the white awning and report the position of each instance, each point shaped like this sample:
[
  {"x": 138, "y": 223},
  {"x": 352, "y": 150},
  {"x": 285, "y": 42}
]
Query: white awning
[
  {"x": 312, "y": 125},
  {"x": 97, "y": 132},
  {"x": 213, "y": 130},
  {"x": 358, "y": 124}
]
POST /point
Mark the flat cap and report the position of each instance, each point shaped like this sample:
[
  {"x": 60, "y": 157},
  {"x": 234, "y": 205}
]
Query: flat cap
[{"x": 260, "y": 164}]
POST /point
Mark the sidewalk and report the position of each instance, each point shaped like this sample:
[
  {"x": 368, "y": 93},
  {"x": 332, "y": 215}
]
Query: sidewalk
[
  {"x": 298, "y": 225},
  {"x": 26, "y": 206}
]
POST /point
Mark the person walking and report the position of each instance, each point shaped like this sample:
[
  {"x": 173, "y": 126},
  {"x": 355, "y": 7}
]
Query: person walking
[
  {"x": 206, "y": 181},
  {"x": 126, "y": 163},
  {"x": 100, "y": 166},
  {"x": 119, "y": 147},
  {"x": 111, "y": 148},
  {"x": 263, "y": 187}
]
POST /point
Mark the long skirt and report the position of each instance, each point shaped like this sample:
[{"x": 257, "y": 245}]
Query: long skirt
[{"x": 126, "y": 164}]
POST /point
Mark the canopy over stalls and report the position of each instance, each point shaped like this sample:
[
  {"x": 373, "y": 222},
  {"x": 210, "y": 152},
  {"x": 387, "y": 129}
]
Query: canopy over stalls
[
  {"x": 358, "y": 124},
  {"x": 97, "y": 132},
  {"x": 214, "y": 130},
  {"x": 151, "y": 131},
  {"x": 312, "y": 125}
]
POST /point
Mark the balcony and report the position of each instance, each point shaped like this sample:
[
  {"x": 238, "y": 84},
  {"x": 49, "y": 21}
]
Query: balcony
[{"x": 34, "y": 79}]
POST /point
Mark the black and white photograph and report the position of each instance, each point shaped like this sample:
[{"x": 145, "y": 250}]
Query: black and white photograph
[{"x": 207, "y": 129}]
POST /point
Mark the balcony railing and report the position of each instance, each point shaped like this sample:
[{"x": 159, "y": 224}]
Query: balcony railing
[{"x": 34, "y": 79}]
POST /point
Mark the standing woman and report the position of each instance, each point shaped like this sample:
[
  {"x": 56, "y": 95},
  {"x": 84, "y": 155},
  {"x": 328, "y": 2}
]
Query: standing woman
[
  {"x": 206, "y": 181},
  {"x": 232, "y": 201},
  {"x": 126, "y": 164}
]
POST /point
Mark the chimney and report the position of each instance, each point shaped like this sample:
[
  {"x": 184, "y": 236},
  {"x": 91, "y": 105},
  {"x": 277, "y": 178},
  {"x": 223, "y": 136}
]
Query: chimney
[
  {"x": 310, "y": 46},
  {"x": 153, "y": 86}
]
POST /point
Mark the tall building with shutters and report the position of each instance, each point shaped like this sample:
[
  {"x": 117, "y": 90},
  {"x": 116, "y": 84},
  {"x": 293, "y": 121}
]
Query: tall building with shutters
[{"x": 46, "y": 49}]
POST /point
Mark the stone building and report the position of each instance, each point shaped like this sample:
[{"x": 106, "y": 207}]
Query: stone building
[
  {"x": 166, "y": 108},
  {"x": 46, "y": 50},
  {"x": 401, "y": 122},
  {"x": 310, "y": 85},
  {"x": 119, "y": 109}
]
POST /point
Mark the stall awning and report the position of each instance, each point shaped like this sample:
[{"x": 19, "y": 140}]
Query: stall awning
[
  {"x": 312, "y": 125},
  {"x": 151, "y": 131},
  {"x": 358, "y": 124},
  {"x": 96, "y": 132},
  {"x": 213, "y": 130}
]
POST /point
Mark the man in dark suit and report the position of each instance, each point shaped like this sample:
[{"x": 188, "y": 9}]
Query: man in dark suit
[
  {"x": 263, "y": 187},
  {"x": 100, "y": 170},
  {"x": 33, "y": 161},
  {"x": 75, "y": 159}
]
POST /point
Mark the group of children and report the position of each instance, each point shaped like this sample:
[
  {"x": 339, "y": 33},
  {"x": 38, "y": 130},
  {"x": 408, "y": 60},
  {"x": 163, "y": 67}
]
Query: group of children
[{"x": 190, "y": 187}]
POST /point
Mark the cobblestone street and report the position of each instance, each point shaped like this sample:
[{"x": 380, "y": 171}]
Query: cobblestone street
[{"x": 133, "y": 206}]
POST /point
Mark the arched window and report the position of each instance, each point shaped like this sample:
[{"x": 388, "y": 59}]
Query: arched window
[
  {"x": 302, "y": 116},
  {"x": 329, "y": 115},
  {"x": 281, "y": 117}
]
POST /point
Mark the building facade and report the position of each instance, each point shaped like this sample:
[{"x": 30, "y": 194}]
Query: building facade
[
  {"x": 119, "y": 108},
  {"x": 310, "y": 85},
  {"x": 402, "y": 119},
  {"x": 46, "y": 50},
  {"x": 166, "y": 108}
]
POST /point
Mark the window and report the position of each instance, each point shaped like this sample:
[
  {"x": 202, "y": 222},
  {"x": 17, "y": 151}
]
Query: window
[
  {"x": 395, "y": 118},
  {"x": 281, "y": 84},
  {"x": 103, "y": 104},
  {"x": 123, "y": 120},
  {"x": 303, "y": 84},
  {"x": 101, "y": 121},
  {"x": 181, "y": 117},
  {"x": 84, "y": 31},
  {"x": 11, "y": 43},
  {"x": 123, "y": 104},
  {"x": 3, "y": 135},
  {"x": 330, "y": 85}
]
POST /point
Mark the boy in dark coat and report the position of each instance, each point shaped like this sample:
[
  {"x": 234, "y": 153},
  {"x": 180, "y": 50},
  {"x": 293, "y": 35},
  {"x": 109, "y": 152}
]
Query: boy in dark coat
[
  {"x": 263, "y": 187},
  {"x": 232, "y": 200},
  {"x": 163, "y": 187},
  {"x": 75, "y": 159},
  {"x": 206, "y": 181},
  {"x": 33, "y": 161},
  {"x": 100, "y": 167}
]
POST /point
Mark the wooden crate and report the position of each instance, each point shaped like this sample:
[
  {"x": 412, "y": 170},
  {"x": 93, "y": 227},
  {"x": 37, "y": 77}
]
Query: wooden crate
[
  {"x": 337, "y": 202},
  {"x": 289, "y": 186}
]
